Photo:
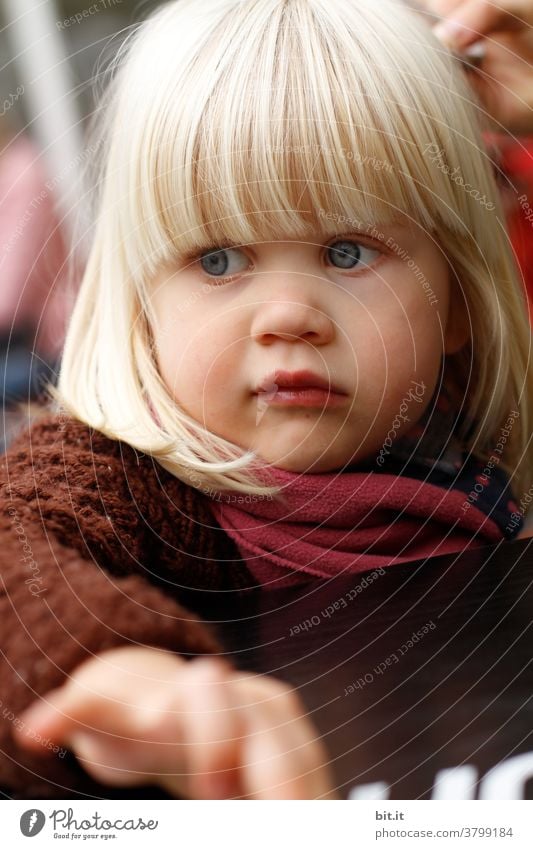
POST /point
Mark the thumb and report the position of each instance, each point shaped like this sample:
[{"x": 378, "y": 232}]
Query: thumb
[
  {"x": 473, "y": 20},
  {"x": 44, "y": 718}
]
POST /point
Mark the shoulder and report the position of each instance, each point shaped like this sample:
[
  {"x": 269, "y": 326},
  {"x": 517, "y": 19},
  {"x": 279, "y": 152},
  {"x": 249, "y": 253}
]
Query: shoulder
[
  {"x": 55, "y": 452},
  {"x": 55, "y": 447},
  {"x": 40, "y": 430},
  {"x": 81, "y": 484},
  {"x": 97, "y": 493},
  {"x": 74, "y": 482},
  {"x": 48, "y": 433}
]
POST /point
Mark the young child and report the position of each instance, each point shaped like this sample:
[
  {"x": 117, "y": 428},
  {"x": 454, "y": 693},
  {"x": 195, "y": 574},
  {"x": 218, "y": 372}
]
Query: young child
[{"x": 300, "y": 349}]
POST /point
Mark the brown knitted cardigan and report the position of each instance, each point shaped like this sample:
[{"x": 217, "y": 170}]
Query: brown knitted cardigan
[{"x": 98, "y": 545}]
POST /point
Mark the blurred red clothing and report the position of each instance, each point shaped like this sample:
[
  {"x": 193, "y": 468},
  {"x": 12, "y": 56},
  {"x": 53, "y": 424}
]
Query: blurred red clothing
[
  {"x": 32, "y": 252},
  {"x": 516, "y": 162}
]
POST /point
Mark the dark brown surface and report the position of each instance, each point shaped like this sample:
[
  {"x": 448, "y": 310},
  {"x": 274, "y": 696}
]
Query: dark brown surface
[{"x": 462, "y": 694}]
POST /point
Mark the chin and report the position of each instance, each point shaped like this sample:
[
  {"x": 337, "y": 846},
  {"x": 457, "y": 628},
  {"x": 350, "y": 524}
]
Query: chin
[
  {"x": 306, "y": 463},
  {"x": 295, "y": 449}
]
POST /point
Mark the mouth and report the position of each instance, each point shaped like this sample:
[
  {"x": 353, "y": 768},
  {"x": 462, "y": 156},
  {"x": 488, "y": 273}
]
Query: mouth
[{"x": 298, "y": 389}]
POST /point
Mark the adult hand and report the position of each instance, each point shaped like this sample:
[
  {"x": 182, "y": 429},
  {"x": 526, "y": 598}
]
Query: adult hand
[
  {"x": 504, "y": 78},
  {"x": 465, "y": 21}
]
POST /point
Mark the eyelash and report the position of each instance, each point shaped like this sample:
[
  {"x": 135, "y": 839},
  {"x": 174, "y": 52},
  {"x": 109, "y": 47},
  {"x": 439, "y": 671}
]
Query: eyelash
[{"x": 194, "y": 257}]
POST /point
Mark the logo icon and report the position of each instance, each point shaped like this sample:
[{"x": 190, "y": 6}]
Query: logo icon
[{"x": 32, "y": 822}]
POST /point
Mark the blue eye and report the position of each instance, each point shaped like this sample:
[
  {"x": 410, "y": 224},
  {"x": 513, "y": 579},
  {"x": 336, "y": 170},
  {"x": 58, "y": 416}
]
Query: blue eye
[
  {"x": 224, "y": 262},
  {"x": 349, "y": 254}
]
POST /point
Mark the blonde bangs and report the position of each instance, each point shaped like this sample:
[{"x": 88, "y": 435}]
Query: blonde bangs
[{"x": 283, "y": 132}]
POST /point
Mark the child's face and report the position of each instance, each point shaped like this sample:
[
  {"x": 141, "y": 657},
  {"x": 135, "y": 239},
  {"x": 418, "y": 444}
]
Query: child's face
[{"x": 372, "y": 320}]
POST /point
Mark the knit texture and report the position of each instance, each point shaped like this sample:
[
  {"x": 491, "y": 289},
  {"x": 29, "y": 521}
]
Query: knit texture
[
  {"x": 98, "y": 547},
  {"x": 325, "y": 525}
]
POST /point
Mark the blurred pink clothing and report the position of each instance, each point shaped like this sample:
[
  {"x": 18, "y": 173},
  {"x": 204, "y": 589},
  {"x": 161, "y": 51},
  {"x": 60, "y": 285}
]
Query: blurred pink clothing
[{"x": 32, "y": 251}]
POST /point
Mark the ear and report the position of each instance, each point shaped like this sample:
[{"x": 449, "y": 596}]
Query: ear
[{"x": 457, "y": 331}]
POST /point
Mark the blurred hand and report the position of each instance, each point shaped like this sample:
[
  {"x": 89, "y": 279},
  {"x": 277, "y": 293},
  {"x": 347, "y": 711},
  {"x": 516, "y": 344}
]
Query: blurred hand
[
  {"x": 504, "y": 79},
  {"x": 198, "y": 728},
  {"x": 465, "y": 21}
]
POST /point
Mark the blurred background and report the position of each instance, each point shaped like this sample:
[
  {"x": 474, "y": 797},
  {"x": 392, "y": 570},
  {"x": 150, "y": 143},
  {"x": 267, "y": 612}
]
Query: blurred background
[{"x": 52, "y": 55}]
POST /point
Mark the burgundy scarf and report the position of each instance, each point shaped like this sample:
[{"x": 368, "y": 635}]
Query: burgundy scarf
[{"x": 348, "y": 522}]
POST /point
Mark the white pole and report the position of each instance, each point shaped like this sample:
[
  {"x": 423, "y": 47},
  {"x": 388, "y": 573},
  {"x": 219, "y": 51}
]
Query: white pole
[{"x": 44, "y": 70}]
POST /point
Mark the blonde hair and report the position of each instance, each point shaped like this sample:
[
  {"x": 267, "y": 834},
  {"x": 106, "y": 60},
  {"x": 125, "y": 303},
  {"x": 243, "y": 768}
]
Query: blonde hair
[{"x": 225, "y": 119}]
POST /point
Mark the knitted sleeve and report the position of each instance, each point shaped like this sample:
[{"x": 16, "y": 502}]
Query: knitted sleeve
[{"x": 68, "y": 588}]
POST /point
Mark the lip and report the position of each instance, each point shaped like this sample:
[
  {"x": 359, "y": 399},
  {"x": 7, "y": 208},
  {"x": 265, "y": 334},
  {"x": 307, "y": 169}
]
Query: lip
[{"x": 301, "y": 388}]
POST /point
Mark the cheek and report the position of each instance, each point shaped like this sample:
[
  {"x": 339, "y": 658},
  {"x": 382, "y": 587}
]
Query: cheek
[
  {"x": 399, "y": 340},
  {"x": 198, "y": 353},
  {"x": 198, "y": 366},
  {"x": 406, "y": 326},
  {"x": 396, "y": 342}
]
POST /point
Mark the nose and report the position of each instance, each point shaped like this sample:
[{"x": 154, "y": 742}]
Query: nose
[{"x": 293, "y": 318}]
